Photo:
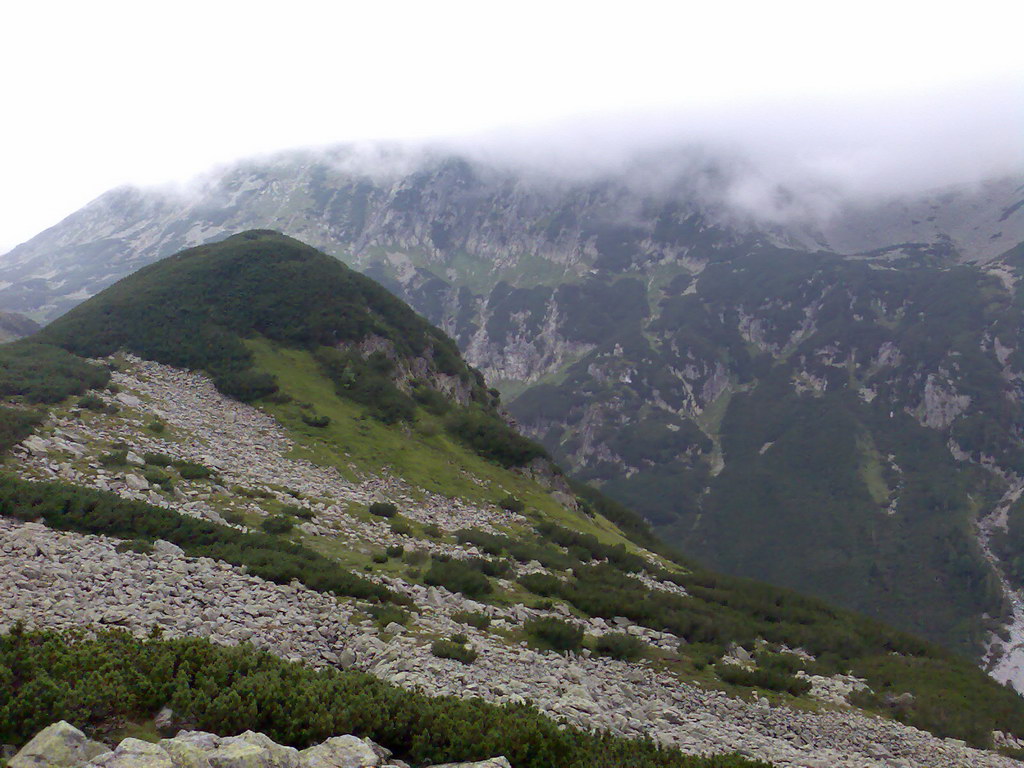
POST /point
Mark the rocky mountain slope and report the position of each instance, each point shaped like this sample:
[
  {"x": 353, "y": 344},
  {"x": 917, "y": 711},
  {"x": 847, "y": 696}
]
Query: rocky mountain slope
[
  {"x": 309, "y": 525},
  {"x": 845, "y": 387},
  {"x": 14, "y": 326}
]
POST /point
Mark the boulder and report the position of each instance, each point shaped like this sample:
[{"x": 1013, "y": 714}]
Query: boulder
[
  {"x": 184, "y": 754},
  {"x": 36, "y": 445},
  {"x": 60, "y": 745},
  {"x": 134, "y": 753},
  {"x": 206, "y": 742},
  {"x": 239, "y": 753},
  {"x": 136, "y": 483},
  {"x": 342, "y": 752},
  {"x": 280, "y": 756},
  {"x": 166, "y": 548},
  {"x": 494, "y": 762}
]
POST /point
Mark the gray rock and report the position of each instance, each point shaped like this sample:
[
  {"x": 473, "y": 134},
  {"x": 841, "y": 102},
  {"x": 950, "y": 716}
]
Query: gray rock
[
  {"x": 136, "y": 483},
  {"x": 161, "y": 547},
  {"x": 280, "y": 756},
  {"x": 238, "y": 753},
  {"x": 36, "y": 445},
  {"x": 206, "y": 742},
  {"x": 341, "y": 752},
  {"x": 185, "y": 754},
  {"x": 134, "y": 753},
  {"x": 60, "y": 745},
  {"x": 494, "y": 762}
]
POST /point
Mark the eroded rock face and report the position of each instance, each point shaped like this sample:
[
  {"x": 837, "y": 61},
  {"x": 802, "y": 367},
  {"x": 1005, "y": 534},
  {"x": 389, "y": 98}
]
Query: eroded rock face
[{"x": 61, "y": 745}]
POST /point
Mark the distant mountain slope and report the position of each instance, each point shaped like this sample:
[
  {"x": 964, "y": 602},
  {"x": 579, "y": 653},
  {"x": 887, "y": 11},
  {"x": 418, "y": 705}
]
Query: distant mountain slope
[
  {"x": 14, "y": 326},
  {"x": 418, "y": 540},
  {"x": 645, "y": 330}
]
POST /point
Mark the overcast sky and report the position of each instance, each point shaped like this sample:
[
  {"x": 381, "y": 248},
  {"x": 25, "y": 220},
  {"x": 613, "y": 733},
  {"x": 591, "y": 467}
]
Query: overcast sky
[{"x": 883, "y": 94}]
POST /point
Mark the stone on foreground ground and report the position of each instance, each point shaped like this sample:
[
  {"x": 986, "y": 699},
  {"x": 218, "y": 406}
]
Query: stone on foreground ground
[{"x": 61, "y": 745}]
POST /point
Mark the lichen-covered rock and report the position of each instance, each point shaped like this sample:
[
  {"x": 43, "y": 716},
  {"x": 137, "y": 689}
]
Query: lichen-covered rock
[
  {"x": 280, "y": 756},
  {"x": 494, "y": 762},
  {"x": 134, "y": 753},
  {"x": 60, "y": 745},
  {"x": 341, "y": 752},
  {"x": 238, "y": 753},
  {"x": 185, "y": 754}
]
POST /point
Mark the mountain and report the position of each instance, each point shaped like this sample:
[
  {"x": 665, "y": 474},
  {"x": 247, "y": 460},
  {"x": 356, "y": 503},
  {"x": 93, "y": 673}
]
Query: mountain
[
  {"x": 284, "y": 502},
  {"x": 830, "y": 404},
  {"x": 14, "y": 326}
]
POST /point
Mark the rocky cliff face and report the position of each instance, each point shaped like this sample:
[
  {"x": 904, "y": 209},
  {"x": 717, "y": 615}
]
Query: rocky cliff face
[{"x": 760, "y": 390}]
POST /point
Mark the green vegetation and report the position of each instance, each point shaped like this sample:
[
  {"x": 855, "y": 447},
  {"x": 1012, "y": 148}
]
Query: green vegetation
[
  {"x": 489, "y": 436},
  {"x": 190, "y": 470},
  {"x": 278, "y": 524},
  {"x": 195, "y": 309},
  {"x": 458, "y": 576},
  {"x": 15, "y": 425},
  {"x": 41, "y": 373},
  {"x": 480, "y": 621},
  {"x": 813, "y": 369},
  {"x": 767, "y": 679},
  {"x": 382, "y": 509},
  {"x": 114, "y": 678},
  {"x": 452, "y": 649},
  {"x": 619, "y": 645},
  {"x": 555, "y": 634},
  {"x": 270, "y": 557}
]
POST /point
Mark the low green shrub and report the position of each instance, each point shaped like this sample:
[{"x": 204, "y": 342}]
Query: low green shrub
[
  {"x": 190, "y": 470},
  {"x": 156, "y": 476},
  {"x": 118, "y": 458},
  {"x": 767, "y": 679},
  {"x": 382, "y": 509},
  {"x": 86, "y": 510},
  {"x": 42, "y": 373},
  {"x": 452, "y": 649},
  {"x": 475, "y": 619},
  {"x": 512, "y": 504},
  {"x": 15, "y": 425},
  {"x": 400, "y": 526},
  {"x": 277, "y": 524},
  {"x": 542, "y": 584},
  {"x": 387, "y": 614},
  {"x": 379, "y": 557},
  {"x": 555, "y": 634},
  {"x": 619, "y": 645},
  {"x": 297, "y": 510},
  {"x": 229, "y": 690},
  {"x": 92, "y": 402},
  {"x": 315, "y": 420},
  {"x": 395, "y": 551},
  {"x": 457, "y": 576},
  {"x": 157, "y": 459}
]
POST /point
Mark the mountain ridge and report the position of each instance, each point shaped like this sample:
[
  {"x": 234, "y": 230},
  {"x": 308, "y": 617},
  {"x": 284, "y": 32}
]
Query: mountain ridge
[
  {"x": 145, "y": 497},
  {"x": 523, "y": 279}
]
